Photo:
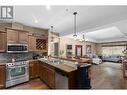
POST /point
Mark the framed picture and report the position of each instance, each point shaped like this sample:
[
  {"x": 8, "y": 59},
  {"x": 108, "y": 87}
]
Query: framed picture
[{"x": 88, "y": 48}]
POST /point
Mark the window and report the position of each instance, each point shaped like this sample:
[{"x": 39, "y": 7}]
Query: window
[{"x": 113, "y": 50}]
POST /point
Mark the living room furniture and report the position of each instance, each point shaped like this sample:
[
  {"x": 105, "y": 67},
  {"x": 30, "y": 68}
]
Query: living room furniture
[
  {"x": 111, "y": 58},
  {"x": 94, "y": 58}
]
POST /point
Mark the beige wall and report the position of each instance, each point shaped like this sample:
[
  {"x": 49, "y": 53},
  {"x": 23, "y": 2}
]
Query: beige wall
[
  {"x": 99, "y": 48},
  {"x": 50, "y": 45},
  {"x": 96, "y": 47},
  {"x": 68, "y": 41}
]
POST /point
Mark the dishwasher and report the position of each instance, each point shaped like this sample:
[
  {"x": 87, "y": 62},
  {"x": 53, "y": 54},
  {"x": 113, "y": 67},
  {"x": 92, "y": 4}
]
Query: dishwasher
[{"x": 61, "y": 80}]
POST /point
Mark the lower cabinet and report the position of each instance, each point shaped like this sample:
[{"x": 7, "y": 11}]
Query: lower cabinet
[
  {"x": 47, "y": 75},
  {"x": 33, "y": 69},
  {"x": 2, "y": 76},
  {"x": 124, "y": 63},
  {"x": 42, "y": 70}
]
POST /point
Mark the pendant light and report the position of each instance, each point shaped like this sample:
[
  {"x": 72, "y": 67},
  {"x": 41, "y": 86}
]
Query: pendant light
[
  {"x": 83, "y": 38},
  {"x": 75, "y": 35}
]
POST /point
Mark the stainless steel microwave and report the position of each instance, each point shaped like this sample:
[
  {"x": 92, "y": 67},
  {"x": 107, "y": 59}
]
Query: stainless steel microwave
[{"x": 17, "y": 48}]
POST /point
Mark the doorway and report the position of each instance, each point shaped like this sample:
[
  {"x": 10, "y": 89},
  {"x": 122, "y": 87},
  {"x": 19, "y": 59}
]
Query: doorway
[
  {"x": 78, "y": 50},
  {"x": 56, "y": 49}
]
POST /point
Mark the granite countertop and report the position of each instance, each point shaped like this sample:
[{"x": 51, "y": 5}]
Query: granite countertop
[
  {"x": 62, "y": 66},
  {"x": 65, "y": 66},
  {"x": 80, "y": 61}
]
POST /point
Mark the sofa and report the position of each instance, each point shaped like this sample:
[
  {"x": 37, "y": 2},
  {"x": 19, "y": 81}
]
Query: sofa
[
  {"x": 111, "y": 58},
  {"x": 94, "y": 58}
]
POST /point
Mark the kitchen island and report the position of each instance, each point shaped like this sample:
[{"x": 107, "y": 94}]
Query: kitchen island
[{"x": 64, "y": 72}]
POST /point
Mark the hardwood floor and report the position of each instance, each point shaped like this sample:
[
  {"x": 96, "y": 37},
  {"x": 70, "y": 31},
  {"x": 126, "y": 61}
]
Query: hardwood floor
[
  {"x": 103, "y": 76},
  {"x": 108, "y": 75},
  {"x": 33, "y": 84}
]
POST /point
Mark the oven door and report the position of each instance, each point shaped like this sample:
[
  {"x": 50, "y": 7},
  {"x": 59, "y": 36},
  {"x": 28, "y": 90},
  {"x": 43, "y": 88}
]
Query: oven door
[{"x": 15, "y": 72}]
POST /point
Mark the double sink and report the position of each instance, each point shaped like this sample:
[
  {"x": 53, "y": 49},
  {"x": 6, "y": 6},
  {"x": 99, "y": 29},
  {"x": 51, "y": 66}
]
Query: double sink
[{"x": 56, "y": 61}]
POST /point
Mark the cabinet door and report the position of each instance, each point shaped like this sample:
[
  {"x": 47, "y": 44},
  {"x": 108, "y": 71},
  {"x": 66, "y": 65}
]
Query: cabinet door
[
  {"x": 2, "y": 76},
  {"x": 36, "y": 69},
  {"x": 48, "y": 76},
  {"x": 23, "y": 37},
  {"x": 43, "y": 73},
  {"x": 12, "y": 36},
  {"x": 2, "y": 42},
  {"x": 51, "y": 78},
  {"x": 31, "y": 70},
  {"x": 32, "y": 43}
]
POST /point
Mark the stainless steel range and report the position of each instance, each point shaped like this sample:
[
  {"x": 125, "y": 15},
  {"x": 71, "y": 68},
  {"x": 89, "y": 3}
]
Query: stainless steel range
[{"x": 16, "y": 73}]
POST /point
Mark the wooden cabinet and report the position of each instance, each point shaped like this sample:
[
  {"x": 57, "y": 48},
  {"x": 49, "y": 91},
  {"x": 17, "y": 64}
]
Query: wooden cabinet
[
  {"x": 51, "y": 77},
  {"x": 17, "y": 36},
  {"x": 2, "y": 76},
  {"x": 47, "y": 75},
  {"x": 32, "y": 43},
  {"x": 37, "y": 44},
  {"x": 23, "y": 37},
  {"x": 12, "y": 36},
  {"x": 33, "y": 69},
  {"x": 2, "y": 41},
  {"x": 124, "y": 63},
  {"x": 41, "y": 44}
]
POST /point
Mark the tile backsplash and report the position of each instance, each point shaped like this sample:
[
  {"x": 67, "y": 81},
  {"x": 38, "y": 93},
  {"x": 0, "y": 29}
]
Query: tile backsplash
[{"x": 7, "y": 57}]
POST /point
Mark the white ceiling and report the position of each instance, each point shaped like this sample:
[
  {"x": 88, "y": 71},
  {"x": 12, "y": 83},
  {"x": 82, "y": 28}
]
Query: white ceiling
[
  {"x": 89, "y": 18},
  {"x": 102, "y": 35}
]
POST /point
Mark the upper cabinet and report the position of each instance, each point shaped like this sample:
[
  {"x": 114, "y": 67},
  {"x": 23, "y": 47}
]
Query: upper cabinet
[
  {"x": 12, "y": 36},
  {"x": 32, "y": 43},
  {"x": 23, "y": 37},
  {"x": 17, "y": 36},
  {"x": 2, "y": 41},
  {"x": 41, "y": 44},
  {"x": 38, "y": 43}
]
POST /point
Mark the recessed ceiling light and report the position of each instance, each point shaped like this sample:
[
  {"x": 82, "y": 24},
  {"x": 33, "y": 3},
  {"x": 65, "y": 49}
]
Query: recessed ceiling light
[
  {"x": 48, "y": 7},
  {"x": 36, "y": 21}
]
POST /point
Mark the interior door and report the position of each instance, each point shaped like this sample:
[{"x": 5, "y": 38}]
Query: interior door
[
  {"x": 56, "y": 49},
  {"x": 78, "y": 50}
]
